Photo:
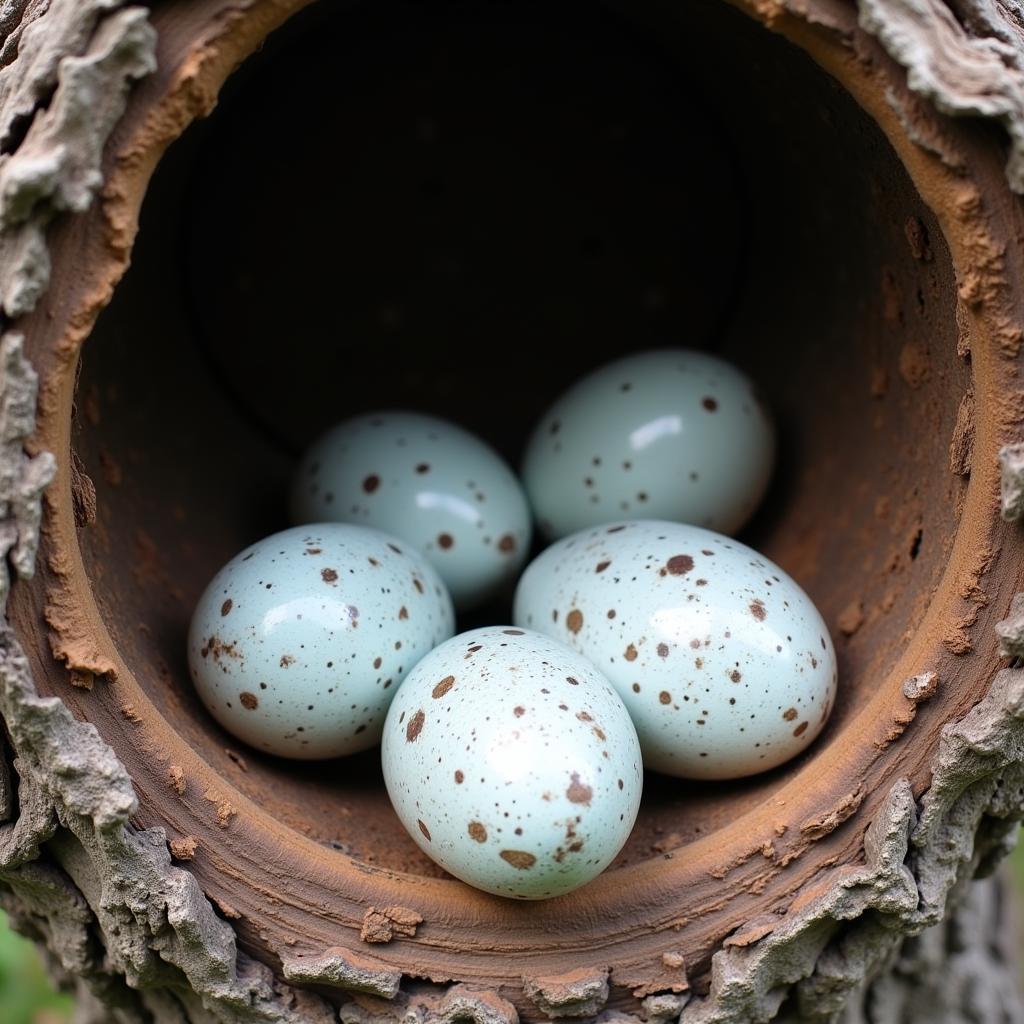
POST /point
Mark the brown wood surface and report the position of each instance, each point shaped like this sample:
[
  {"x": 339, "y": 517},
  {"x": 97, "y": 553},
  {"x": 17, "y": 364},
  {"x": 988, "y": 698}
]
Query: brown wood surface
[{"x": 867, "y": 261}]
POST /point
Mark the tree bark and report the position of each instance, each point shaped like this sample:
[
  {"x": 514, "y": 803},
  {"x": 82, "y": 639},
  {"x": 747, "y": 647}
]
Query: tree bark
[{"x": 916, "y": 931}]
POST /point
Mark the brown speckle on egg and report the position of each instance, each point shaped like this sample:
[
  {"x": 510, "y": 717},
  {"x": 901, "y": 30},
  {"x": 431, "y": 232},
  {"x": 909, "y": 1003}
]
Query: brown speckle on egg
[
  {"x": 601, "y": 566},
  {"x": 665, "y": 697},
  {"x": 415, "y": 726},
  {"x": 518, "y": 859},
  {"x": 371, "y": 483},
  {"x": 248, "y": 700},
  {"x": 226, "y": 606},
  {"x": 678, "y": 565},
  {"x": 329, "y": 575},
  {"x": 443, "y": 687},
  {"x": 800, "y": 729},
  {"x": 789, "y": 714},
  {"x": 424, "y": 829},
  {"x": 477, "y": 832},
  {"x": 574, "y": 620},
  {"x": 757, "y": 609},
  {"x": 709, "y": 403},
  {"x": 630, "y": 653},
  {"x": 578, "y": 792},
  {"x": 507, "y": 544},
  {"x": 445, "y": 541},
  {"x": 403, "y": 612}
]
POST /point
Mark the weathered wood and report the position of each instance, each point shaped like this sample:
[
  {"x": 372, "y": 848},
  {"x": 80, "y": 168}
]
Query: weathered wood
[{"x": 862, "y": 908}]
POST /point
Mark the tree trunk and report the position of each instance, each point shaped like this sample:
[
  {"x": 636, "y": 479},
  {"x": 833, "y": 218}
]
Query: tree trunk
[{"x": 170, "y": 879}]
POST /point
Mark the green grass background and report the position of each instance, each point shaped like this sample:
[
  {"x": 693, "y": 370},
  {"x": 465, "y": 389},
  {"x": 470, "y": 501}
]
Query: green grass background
[{"x": 27, "y": 997}]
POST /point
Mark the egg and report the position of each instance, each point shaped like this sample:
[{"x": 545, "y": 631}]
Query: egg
[
  {"x": 299, "y": 643},
  {"x": 724, "y": 663},
  {"x": 670, "y": 434},
  {"x": 429, "y": 482},
  {"x": 512, "y": 763}
]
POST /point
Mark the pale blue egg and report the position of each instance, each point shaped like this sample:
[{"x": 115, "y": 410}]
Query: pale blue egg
[
  {"x": 671, "y": 434},
  {"x": 298, "y": 645},
  {"x": 429, "y": 482},
  {"x": 724, "y": 663},
  {"x": 513, "y": 763}
]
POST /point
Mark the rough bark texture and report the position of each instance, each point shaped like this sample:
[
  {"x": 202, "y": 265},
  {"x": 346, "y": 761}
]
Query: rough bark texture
[
  {"x": 907, "y": 935},
  {"x": 965, "y": 56}
]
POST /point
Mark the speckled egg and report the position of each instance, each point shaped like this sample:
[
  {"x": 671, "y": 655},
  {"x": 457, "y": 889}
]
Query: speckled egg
[
  {"x": 429, "y": 482},
  {"x": 670, "y": 434},
  {"x": 299, "y": 643},
  {"x": 513, "y": 763},
  {"x": 724, "y": 663}
]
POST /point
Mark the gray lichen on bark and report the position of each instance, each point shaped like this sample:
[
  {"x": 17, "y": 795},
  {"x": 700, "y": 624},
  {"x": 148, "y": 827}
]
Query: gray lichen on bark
[
  {"x": 966, "y": 57},
  {"x": 1011, "y": 464},
  {"x": 56, "y": 166}
]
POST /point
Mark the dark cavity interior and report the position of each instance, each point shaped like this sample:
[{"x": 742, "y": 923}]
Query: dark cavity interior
[{"x": 462, "y": 207}]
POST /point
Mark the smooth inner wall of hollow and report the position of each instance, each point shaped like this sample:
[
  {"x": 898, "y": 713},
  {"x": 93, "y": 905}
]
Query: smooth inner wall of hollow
[{"x": 461, "y": 208}]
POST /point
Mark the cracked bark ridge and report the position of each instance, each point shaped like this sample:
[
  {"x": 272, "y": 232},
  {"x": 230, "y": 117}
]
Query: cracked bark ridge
[
  {"x": 580, "y": 993},
  {"x": 345, "y": 969},
  {"x": 965, "y": 57},
  {"x": 421, "y": 1004},
  {"x": 1011, "y": 630},
  {"x": 1011, "y": 464},
  {"x": 56, "y": 166},
  {"x": 22, "y": 479},
  {"x": 916, "y": 865}
]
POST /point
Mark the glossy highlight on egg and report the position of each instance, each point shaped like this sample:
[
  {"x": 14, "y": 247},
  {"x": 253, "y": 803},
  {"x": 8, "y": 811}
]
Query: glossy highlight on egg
[
  {"x": 724, "y": 663},
  {"x": 512, "y": 763},
  {"x": 429, "y": 482},
  {"x": 670, "y": 434},
  {"x": 299, "y": 643}
]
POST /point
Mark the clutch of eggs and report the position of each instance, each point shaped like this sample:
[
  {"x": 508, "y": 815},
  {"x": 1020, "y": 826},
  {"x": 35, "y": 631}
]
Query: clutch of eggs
[
  {"x": 429, "y": 482},
  {"x": 512, "y": 763},
  {"x": 724, "y": 663},
  {"x": 670, "y": 434},
  {"x": 299, "y": 643}
]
